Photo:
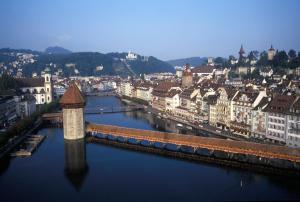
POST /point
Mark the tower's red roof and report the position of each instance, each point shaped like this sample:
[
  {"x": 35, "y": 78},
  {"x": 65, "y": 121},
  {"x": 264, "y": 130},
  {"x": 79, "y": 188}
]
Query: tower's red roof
[{"x": 72, "y": 98}]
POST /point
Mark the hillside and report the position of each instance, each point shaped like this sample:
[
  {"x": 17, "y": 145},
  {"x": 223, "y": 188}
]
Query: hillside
[
  {"x": 193, "y": 61},
  {"x": 81, "y": 63},
  {"x": 57, "y": 50}
]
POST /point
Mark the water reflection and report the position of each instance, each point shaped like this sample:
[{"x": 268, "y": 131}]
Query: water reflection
[
  {"x": 76, "y": 168},
  {"x": 161, "y": 124}
]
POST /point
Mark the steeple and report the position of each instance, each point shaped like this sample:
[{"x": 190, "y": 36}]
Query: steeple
[{"x": 242, "y": 52}]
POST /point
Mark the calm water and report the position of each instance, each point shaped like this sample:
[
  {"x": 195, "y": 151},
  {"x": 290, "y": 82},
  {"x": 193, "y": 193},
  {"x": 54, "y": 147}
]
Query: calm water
[{"x": 68, "y": 171}]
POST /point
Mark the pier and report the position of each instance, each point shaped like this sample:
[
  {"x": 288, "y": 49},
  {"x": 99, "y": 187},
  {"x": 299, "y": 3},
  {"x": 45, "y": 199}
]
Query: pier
[
  {"x": 28, "y": 146},
  {"x": 242, "y": 151}
]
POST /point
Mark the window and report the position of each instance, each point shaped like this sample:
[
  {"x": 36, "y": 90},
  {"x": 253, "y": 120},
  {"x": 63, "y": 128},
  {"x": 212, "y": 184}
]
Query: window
[
  {"x": 47, "y": 78},
  {"x": 47, "y": 89}
]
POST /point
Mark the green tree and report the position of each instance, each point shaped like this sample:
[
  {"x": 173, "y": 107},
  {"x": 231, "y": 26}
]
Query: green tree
[
  {"x": 292, "y": 54},
  {"x": 280, "y": 59},
  {"x": 7, "y": 82},
  {"x": 263, "y": 60}
]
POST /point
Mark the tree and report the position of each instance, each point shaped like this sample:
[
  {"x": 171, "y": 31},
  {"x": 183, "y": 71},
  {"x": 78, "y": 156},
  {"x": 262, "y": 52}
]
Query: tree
[
  {"x": 280, "y": 59},
  {"x": 292, "y": 54},
  {"x": 7, "y": 82},
  {"x": 263, "y": 60},
  {"x": 219, "y": 60}
]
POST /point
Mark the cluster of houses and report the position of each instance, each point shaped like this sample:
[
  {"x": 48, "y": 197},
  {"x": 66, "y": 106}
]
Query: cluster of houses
[
  {"x": 202, "y": 95},
  {"x": 17, "y": 104}
]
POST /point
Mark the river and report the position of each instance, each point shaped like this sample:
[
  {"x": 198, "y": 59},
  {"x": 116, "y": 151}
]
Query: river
[{"x": 59, "y": 171}]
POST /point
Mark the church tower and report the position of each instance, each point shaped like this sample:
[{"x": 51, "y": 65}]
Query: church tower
[
  {"x": 72, "y": 103},
  {"x": 187, "y": 77},
  {"x": 241, "y": 53},
  {"x": 271, "y": 53},
  {"x": 48, "y": 85}
]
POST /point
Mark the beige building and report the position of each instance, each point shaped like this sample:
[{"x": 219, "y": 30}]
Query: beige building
[
  {"x": 187, "y": 77},
  {"x": 40, "y": 88},
  {"x": 242, "y": 105},
  {"x": 224, "y": 107},
  {"x": 271, "y": 53}
]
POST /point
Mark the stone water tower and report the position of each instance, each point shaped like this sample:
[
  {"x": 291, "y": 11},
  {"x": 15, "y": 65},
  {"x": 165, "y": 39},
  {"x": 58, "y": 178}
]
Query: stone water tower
[{"x": 72, "y": 103}]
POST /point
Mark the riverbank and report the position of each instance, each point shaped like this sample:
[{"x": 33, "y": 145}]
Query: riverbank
[
  {"x": 16, "y": 134},
  {"x": 204, "y": 129}
]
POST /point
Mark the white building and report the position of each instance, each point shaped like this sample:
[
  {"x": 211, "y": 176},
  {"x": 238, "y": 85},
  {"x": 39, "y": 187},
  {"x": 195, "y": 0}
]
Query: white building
[
  {"x": 40, "y": 88},
  {"x": 131, "y": 56}
]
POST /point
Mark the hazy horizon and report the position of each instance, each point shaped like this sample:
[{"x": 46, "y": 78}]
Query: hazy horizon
[{"x": 164, "y": 29}]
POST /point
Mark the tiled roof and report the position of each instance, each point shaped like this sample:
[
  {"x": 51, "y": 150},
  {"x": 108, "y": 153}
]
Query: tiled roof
[
  {"x": 281, "y": 104},
  {"x": 173, "y": 92},
  {"x": 250, "y": 95},
  {"x": 263, "y": 102},
  {"x": 205, "y": 69},
  {"x": 30, "y": 82},
  {"x": 72, "y": 97}
]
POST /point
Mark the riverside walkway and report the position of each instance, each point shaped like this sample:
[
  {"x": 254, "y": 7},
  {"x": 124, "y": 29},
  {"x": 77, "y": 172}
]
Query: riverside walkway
[{"x": 228, "y": 146}]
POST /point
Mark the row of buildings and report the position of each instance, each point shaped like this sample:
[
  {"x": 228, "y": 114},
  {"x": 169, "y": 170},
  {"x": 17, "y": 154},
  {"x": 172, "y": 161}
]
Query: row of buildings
[{"x": 199, "y": 96}]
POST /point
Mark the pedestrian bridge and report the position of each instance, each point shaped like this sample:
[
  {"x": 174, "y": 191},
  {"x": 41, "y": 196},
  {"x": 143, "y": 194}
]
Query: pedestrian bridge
[{"x": 261, "y": 151}]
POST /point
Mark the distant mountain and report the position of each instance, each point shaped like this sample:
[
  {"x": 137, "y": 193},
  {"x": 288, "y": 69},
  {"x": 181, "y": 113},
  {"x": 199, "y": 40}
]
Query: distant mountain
[
  {"x": 57, "y": 50},
  {"x": 193, "y": 61},
  {"x": 83, "y": 63}
]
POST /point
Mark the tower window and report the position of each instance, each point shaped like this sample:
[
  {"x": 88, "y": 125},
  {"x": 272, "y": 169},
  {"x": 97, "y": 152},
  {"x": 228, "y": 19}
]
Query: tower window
[{"x": 47, "y": 78}]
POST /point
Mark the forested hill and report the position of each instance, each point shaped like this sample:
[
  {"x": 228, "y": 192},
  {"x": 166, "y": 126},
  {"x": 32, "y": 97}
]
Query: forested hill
[{"x": 80, "y": 63}]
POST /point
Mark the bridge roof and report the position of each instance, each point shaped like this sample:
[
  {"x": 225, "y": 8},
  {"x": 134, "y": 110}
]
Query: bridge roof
[{"x": 72, "y": 97}]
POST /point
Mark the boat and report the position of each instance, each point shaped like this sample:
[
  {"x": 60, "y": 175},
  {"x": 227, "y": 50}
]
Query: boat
[
  {"x": 179, "y": 125},
  {"x": 111, "y": 137},
  {"x": 146, "y": 143},
  {"x": 172, "y": 147},
  {"x": 189, "y": 127},
  {"x": 187, "y": 149},
  {"x": 159, "y": 145},
  {"x": 132, "y": 141},
  {"x": 121, "y": 139}
]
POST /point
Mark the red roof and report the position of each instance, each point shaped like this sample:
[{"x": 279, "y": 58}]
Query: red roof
[{"x": 72, "y": 98}]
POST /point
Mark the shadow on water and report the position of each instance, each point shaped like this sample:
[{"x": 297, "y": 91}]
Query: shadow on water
[
  {"x": 76, "y": 168},
  {"x": 4, "y": 164}
]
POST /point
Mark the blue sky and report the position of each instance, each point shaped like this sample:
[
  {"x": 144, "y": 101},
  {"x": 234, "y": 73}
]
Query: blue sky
[{"x": 167, "y": 29}]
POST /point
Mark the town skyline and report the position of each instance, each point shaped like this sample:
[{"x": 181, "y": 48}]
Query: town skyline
[{"x": 167, "y": 30}]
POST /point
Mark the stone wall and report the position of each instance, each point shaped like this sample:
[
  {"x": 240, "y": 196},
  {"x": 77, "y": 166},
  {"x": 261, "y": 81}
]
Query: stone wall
[{"x": 73, "y": 120}]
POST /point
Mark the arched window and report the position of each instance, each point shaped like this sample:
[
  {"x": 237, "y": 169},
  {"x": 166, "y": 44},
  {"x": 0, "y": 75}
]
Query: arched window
[{"x": 47, "y": 78}]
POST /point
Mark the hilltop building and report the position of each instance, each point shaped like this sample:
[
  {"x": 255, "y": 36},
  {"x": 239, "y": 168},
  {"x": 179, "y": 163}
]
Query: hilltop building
[{"x": 271, "y": 53}]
